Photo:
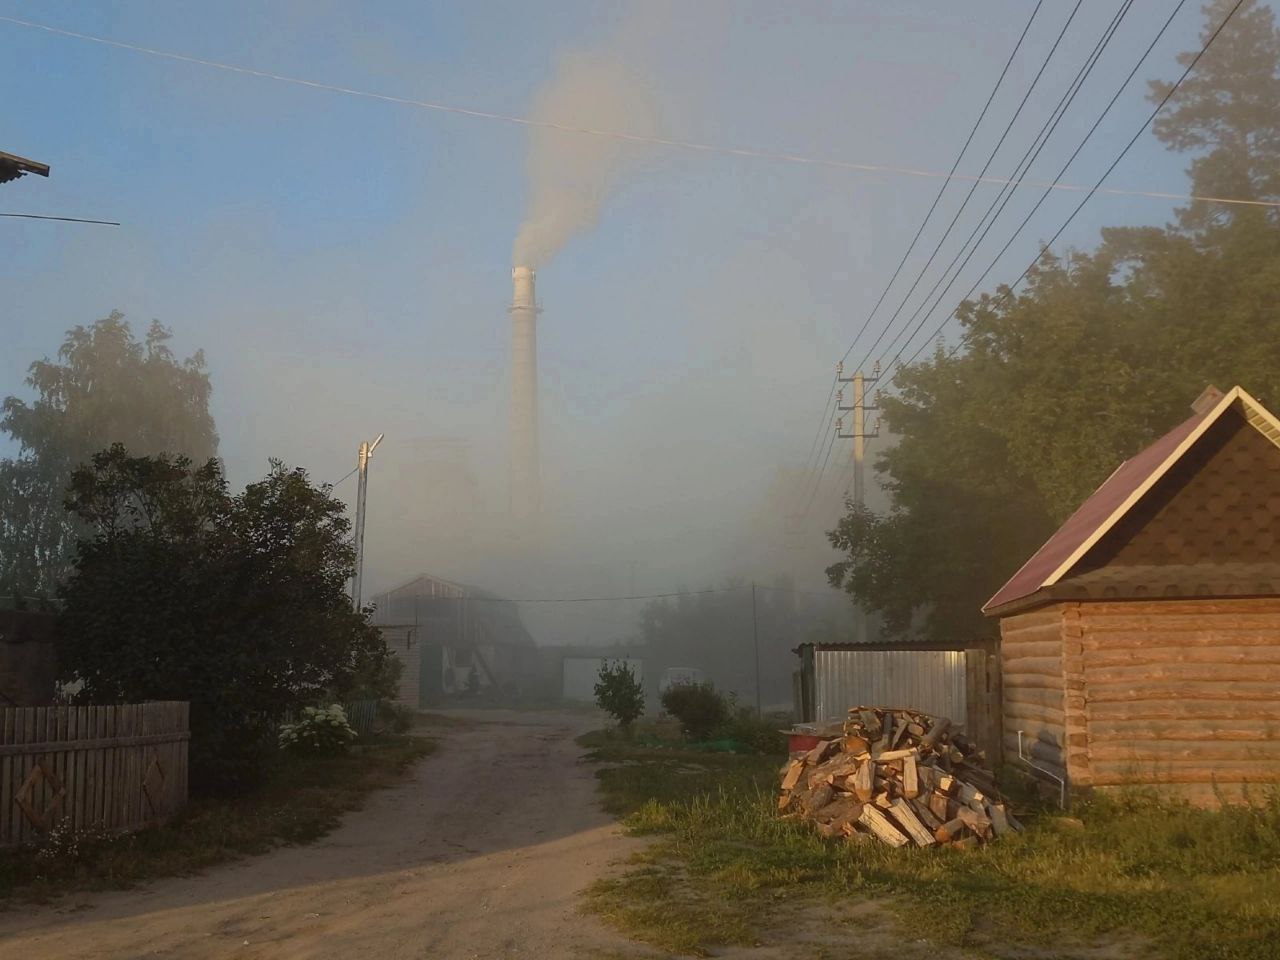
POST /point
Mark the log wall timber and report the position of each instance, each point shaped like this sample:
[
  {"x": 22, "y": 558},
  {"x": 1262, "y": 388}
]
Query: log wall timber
[
  {"x": 1180, "y": 693},
  {"x": 1031, "y": 649}
]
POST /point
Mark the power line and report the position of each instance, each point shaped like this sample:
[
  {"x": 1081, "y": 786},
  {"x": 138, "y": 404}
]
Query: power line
[
  {"x": 946, "y": 183},
  {"x": 41, "y": 216},
  {"x": 1114, "y": 163},
  {"x": 1033, "y": 151},
  {"x": 986, "y": 166},
  {"x": 643, "y": 596},
  {"x": 828, "y": 411},
  {"x": 690, "y": 145},
  {"x": 349, "y": 475}
]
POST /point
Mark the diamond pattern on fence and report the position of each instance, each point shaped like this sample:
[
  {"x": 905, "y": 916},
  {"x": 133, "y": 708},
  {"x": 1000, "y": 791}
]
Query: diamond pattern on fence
[{"x": 40, "y": 773}]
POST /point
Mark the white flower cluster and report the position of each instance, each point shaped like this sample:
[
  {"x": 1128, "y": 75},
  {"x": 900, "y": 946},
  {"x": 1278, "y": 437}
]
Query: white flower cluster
[{"x": 318, "y": 729}]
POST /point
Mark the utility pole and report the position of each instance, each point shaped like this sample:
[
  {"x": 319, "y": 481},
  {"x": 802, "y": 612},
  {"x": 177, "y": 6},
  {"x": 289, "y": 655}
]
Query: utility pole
[
  {"x": 362, "y": 464},
  {"x": 755, "y": 639},
  {"x": 859, "y": 436}
]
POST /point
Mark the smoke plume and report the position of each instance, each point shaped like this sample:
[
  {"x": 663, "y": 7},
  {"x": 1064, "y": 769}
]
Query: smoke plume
[{"x": 572, "y": 174}]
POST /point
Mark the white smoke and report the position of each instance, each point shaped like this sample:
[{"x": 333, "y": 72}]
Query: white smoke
[{"x": 571, "y": 174}]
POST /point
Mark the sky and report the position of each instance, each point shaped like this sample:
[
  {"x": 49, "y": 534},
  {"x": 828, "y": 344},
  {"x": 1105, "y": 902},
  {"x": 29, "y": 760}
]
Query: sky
[{"x": 344, "y": 262}]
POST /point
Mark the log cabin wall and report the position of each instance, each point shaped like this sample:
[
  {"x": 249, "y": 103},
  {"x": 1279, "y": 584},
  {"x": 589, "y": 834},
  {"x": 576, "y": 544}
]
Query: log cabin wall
[
  {"x": 1031, "y": 662},
  {"x": 1181, "y": 694}
]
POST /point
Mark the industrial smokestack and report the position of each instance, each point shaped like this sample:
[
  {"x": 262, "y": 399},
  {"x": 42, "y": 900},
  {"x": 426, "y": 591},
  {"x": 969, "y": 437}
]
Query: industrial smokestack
[{"x": 525, "y": 480}]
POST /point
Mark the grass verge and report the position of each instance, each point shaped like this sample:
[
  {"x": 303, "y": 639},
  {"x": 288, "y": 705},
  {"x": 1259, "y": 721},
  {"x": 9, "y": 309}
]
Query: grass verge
[
  {"x": 303, "y": 799},
  {"x": 1125, "y": 876}
]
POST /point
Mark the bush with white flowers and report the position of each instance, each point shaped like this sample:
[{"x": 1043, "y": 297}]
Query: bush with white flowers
[{"x": 318, "y": 730}]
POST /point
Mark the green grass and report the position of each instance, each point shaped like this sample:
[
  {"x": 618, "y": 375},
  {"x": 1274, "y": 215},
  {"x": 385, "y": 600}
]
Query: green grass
[
  {"x": 303, "y": 799},
  {"x": 1155, "y": 879}
]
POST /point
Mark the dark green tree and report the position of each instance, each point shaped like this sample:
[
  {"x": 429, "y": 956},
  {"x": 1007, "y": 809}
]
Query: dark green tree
[
  {"x": 619, "y": 693},
  {"x": 104, "y": 387},
  {"x": 236, "y": 603},
  {"x": 1227, "y": 114}
]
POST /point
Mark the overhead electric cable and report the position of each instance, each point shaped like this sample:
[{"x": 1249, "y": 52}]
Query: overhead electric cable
[
  {"x": 946, "y": 183},
  {"x": 985, "y": 167},
  {"x": 1114, "y": 163},
  {"x": 1002, "y": 198},
  {"x": 690, "y": 145},
  {"x": 828, "y": 411},
  {"x": 42, "y": 216}
]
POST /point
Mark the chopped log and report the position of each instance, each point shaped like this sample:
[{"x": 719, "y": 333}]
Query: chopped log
[
  {"x": 924, "y": 813},
  {"x": 879, "y": 824},
  {"x": 819, "y": 753},
  {"x": 871, "y": 724},
  {"x": 862, "y": 783},
  {"x": 940, "y": 805},
  {"x": 854, "y": 744},
  {"x": 999, "y": 819},
  {"x": 915, "y": 729},
  {"x": 793, "y": 775},
  {"x": 965, "y": 843},
  {"x": 819, "y": 798},
  {"x": 935, "y": 734},
  {"x": 977, "y": 822},
  {"x": 971, "y": 797},
  {"x": 784, "y": 801},
  {"x": 829, "y": 830},
  {"x": 884, "y": 801},
  {"x": 949, "y": 831},
  {"x": 899, "y": 734},
  {"x": 946, "y": 785},
  {"x": 907, "y": 819},
  {"x": 890, "y": 755},
  {"x": 910, "y": 778}
]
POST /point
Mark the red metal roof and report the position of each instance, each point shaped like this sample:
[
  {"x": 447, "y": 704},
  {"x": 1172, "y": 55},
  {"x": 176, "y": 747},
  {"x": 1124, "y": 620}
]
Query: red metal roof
[{"x": 1100, "y": 510}]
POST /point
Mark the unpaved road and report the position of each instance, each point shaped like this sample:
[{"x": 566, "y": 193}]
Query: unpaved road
[{"x": 480, "y": 854}]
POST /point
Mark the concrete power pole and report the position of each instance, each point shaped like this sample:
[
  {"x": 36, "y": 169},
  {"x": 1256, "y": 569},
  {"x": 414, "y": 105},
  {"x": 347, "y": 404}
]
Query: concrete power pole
[
  {"x": 859, "y": 435},
  {"x": 362, "y": 464}
]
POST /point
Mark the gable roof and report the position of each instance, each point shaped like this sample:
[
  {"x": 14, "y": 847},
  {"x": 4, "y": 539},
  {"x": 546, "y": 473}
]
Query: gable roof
[{"x": 1118, "y": 495}]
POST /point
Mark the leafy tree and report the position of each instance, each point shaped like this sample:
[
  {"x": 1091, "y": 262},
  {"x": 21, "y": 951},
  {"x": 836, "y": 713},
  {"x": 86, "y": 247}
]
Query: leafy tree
[
  {"x": 236, "y": 603},
  {"x": 104, "y": 387},
  {"x": 1227, "y": 112},
  {"x": 619, "y": 693},
  {"x": 1099, "y": 353}
]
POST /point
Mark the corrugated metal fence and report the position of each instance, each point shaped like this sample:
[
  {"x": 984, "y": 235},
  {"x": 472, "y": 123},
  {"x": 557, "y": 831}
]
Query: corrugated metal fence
[
  {"x": 118, "y": 767},
  {"x": 932, "y": 681}
]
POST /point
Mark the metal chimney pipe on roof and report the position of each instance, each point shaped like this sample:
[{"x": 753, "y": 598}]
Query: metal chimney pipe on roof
[{"x": 525, "y": 478}]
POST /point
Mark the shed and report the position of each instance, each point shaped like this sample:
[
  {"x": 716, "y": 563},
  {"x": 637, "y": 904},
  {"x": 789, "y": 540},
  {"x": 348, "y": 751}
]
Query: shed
[
  {"x": 1141, "y": 643},
  {"x": 959, "y": 681},
  {"x": 443, "y": 632}
]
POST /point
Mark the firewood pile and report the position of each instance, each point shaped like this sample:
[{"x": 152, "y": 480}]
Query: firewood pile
[{"x": 900, "y": 777}]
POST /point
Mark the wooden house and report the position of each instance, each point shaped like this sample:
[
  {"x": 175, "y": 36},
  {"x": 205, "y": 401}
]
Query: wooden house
[{"x": 1141, "y": 643}]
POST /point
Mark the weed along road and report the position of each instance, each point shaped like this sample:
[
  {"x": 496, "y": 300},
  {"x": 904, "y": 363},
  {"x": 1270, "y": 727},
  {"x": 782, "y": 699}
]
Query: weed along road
[{"x": 480, "y": 853}]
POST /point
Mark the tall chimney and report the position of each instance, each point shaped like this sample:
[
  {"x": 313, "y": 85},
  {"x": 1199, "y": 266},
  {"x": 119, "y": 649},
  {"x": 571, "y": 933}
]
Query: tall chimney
[{"x": 526, "y": 482}]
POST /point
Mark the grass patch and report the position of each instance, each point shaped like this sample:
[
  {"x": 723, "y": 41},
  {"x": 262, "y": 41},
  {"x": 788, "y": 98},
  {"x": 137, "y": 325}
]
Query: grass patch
[
  {"x": 303, "y": 799},
  {"x": 1146, "y": 877}
]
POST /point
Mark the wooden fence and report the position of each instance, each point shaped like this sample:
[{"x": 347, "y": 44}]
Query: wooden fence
[{"x": 110, "y": 767}]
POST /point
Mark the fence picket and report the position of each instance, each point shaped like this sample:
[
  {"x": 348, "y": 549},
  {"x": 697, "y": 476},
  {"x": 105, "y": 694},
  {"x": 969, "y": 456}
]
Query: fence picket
[{"x": 97, "y": 760}]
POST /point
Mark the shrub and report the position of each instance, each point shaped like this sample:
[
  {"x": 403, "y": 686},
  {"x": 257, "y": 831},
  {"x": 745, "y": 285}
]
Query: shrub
[
  {"x": 752, "y": 733},
  {"x": 698, "y": 707},
  {"x": 395, "y": 717},
  {"x": 619, "y": 693},
  {"x": 318, "y": 730}
]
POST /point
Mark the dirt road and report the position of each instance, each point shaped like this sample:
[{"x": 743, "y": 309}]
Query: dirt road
[{"x": 480, "y": 854}]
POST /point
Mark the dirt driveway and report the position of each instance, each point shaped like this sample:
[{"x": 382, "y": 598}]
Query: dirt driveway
[{"x": 480, "y": 854}]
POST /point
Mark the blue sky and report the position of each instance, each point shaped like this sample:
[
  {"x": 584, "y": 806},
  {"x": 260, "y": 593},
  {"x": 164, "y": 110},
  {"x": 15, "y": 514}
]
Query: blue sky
[{"x": 345, "y": 263}]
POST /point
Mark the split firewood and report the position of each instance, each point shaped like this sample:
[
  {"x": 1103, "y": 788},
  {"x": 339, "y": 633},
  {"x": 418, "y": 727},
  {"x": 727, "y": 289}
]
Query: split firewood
[
  {"x": 793, "y": 775},
  {"x": 879, "y": 824},
  {"x": 910, "y": 777},
  {"x": 897, "y": 777},
  {"x": 907, "y": 819},
  {"x": 863, "y": 781}
]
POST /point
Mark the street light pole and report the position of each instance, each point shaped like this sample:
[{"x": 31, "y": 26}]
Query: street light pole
[{"x": 362, "y": 465}]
